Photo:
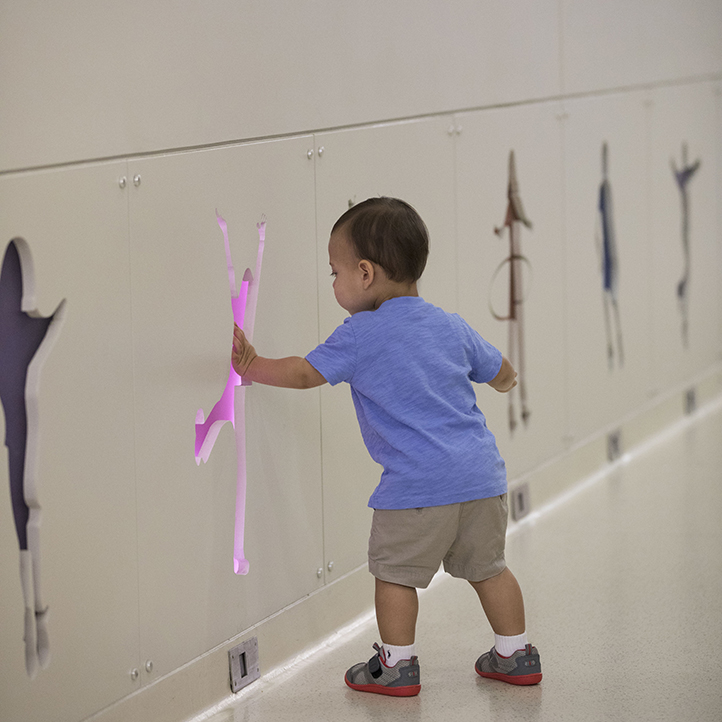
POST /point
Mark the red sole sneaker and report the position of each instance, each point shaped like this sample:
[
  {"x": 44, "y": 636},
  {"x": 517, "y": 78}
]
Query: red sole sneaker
[
  {"x": 513, "y": 679},
  {"x": 522, "y": 668},
  {"x": 409, "y": 691}
]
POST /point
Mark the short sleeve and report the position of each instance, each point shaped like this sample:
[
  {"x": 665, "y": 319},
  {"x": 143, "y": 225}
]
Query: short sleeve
[
  {"x": 485, "y": 360},
  {"x": 335, "y": 359}
]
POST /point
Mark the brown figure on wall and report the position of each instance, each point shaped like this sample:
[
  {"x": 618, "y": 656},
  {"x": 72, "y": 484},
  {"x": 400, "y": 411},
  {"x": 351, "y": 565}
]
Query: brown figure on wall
[{"x": 515, "y": 218}]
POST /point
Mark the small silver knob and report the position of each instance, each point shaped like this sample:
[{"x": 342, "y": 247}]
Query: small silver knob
[
  {"x": 320, "y": 151},
  {"x": 122, "y": 182},
  {"x": 319, "y": 572},
  {"x": 149, "y": 666},
  {"x": 134, "y": 674},
  {"x": 309, "y": 155},
  {"x": 330, "y": 566},
  {"x": 136, "y": 180}
]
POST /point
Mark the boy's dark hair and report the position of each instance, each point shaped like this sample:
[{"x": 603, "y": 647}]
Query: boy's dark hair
[{"x": 390, "y": 233}]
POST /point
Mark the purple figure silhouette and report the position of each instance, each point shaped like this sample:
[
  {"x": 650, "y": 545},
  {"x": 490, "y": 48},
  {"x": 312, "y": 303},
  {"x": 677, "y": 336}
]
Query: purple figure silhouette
[
  {"x": 683, "y": 177},
  {"x": 25, "y": 340}
]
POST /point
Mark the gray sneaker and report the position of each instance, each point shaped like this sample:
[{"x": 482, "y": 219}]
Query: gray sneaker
[
  {"x": 523, "y": 667},
  {"x": 401, "y": 680}
]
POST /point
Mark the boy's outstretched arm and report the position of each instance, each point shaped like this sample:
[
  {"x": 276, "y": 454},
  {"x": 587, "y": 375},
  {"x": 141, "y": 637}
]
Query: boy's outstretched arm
[
  {"x": 505, "y": 380},
  {"x": 292, "y": 372}
]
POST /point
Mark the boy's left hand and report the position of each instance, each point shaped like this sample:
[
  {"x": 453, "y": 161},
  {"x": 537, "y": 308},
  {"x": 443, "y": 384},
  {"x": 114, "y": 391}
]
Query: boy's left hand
[{"x": 243, "y": 353}]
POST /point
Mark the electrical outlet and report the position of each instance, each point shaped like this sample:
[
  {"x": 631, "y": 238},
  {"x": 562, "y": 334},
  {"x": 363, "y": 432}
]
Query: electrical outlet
[
  {"x": 243, "y": 661},
  {"x": 520, "y": 505},
  {"x": 690, "y": 401},
  {"x": 614, "y": 445}
]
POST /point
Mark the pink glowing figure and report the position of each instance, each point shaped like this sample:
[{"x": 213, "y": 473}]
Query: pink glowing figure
[{"x": 232, "y": 405}]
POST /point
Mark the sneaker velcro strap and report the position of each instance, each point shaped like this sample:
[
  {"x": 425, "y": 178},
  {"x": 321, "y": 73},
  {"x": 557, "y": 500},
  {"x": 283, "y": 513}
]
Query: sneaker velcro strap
[{"x": 375, "y": 667}]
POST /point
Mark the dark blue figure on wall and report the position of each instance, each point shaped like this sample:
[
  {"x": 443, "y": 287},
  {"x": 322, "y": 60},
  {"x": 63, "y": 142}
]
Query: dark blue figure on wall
[
  {"x": 607, "y": 244},
  {"x": 25, "y": 340},
  {"x": 683, "y": 177}
]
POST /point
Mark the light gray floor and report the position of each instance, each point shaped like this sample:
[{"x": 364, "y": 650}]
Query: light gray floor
[{"x": 623, "y": 590}]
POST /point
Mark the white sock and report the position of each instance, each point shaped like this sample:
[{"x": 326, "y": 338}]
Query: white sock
[
  {"x": 394, "y": 654},
  {"x": 506, "y": 646}
]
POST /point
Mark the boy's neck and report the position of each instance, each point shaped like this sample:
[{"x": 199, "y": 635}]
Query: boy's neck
[{"x": 392, "y": 289}]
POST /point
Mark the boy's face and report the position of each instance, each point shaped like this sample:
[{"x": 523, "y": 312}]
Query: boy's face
[{"x": 348, "y": 271}]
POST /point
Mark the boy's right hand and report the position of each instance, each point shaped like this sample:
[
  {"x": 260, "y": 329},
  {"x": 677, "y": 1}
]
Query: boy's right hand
[{"x": 243, "y": 353}]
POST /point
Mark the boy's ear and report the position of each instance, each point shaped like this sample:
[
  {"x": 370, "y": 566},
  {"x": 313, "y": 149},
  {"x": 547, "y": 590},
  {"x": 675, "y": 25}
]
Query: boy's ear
[{"x": 368, "y": 271}]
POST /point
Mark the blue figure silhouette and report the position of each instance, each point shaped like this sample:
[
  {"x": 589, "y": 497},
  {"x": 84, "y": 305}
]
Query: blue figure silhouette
[
  {"x": 607, "y": 245},
  {"x": 683, "y": 177},
  {"x": 25, "y": 339}
]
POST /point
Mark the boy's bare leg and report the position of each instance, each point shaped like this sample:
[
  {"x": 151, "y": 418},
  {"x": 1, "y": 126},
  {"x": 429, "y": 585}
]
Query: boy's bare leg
[
  {"x": 503, "y": 603},
  {"x": 397, "y": 608}
]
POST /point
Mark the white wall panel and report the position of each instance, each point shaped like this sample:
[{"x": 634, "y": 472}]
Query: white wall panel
[
  {"x": 81, "y": 79},
  {"x": 718, "y": 140},
  {"x": 76, "y": 224},
  {"x": 482, "y": 158},
  {"x": 190, "y": 598},
  {"x": 413, "y": 161},
  {"x": 684, "y": 115},
  {"x": 404, "y": 99},
  {"x": 617, "y": 43},
  {"x": 603, "y": 388}
]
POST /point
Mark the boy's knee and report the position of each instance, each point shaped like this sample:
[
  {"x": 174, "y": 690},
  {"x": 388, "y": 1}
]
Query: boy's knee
[{"x": 490, "y": 579}]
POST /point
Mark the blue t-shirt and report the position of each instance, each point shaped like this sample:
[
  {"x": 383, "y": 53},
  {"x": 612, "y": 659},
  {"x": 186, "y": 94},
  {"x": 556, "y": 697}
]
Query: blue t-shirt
[{"x": 410, "y": 366}]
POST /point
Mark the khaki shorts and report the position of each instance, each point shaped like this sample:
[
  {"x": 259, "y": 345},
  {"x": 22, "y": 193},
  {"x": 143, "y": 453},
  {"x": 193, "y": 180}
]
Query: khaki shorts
[{"x": 408, "y": 545}]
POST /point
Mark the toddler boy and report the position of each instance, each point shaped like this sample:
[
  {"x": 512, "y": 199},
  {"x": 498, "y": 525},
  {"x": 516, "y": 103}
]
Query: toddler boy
[{"x": 442, "y": 494}]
